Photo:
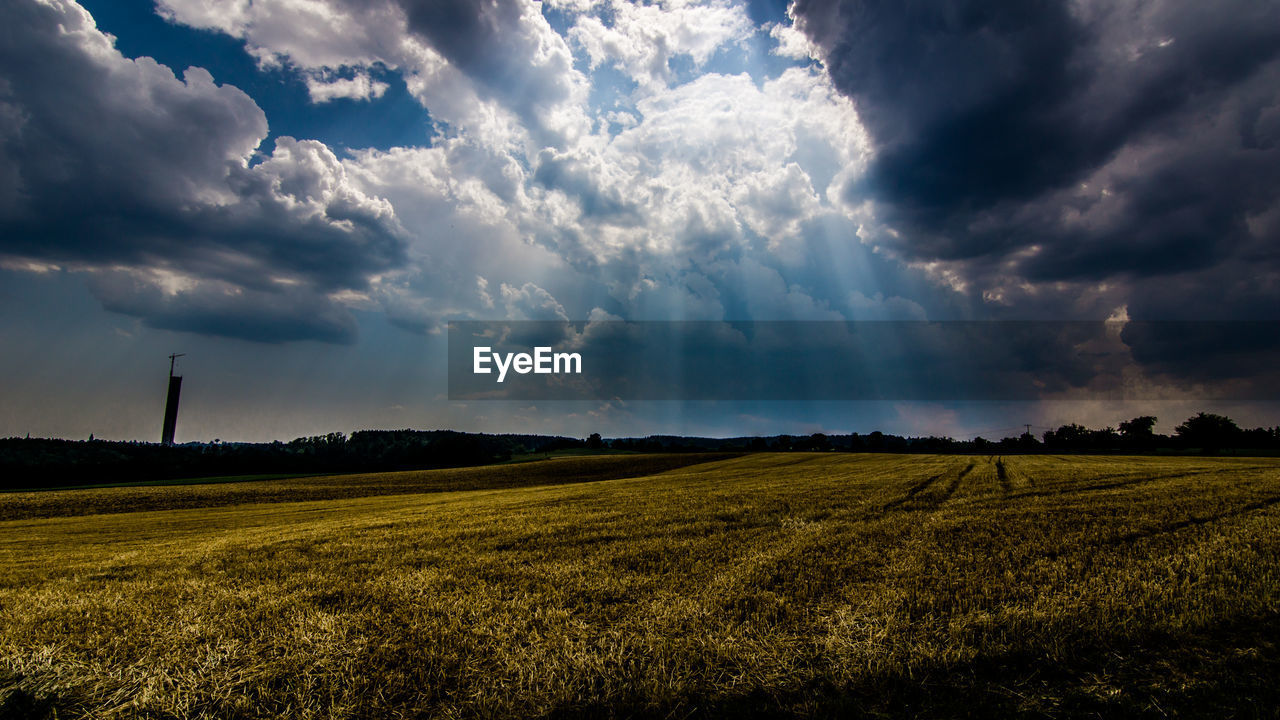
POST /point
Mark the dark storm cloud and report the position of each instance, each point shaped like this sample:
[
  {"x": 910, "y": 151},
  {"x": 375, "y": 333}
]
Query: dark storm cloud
[
  {"x": 116, "y": 164},
  {"x": 1096, "y": 140},
  {"x": 215, "y": 308},
  {"x": 1243, "y": 353}
]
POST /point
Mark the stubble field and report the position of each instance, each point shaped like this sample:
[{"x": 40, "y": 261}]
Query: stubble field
[{"x": 655, "y": 586}]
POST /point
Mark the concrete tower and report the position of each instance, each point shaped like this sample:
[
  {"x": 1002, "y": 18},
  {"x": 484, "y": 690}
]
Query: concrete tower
[{"x": 171, "y": 404}]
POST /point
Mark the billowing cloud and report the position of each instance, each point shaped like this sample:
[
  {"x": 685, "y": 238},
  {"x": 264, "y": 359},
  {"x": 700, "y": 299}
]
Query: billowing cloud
[
  {"x": 641, "y": 40},
  {"x": 325, "y": 85},
  {"x": 118, "y": 167},
  {"x": 670, "y": 191},
  {"x": 711, "y": 173},
  {"x": 661, "y": 193},
  {"x": 941, "y": 160},
  {"x": 495, "y": 69}
]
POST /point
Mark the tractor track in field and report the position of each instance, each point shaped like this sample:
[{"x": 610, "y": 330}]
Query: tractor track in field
[
  {"x": 953, "y": 486},
  {"x": 1191, "y": 522},
  {"x": 1128, "y": 481},
  {"x": 1002, "y": 474},
  {"x": 916, "y": 499},
  {"x": 1163, "y": 529},
  {"x": 912, "y": 492},
  {"x": 919, "y": 488}
]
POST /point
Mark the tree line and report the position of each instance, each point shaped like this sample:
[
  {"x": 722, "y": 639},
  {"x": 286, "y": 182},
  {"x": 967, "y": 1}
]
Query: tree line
[
  {"x": 44, "y": 463},
  {"x": 1205, "y": 433}
]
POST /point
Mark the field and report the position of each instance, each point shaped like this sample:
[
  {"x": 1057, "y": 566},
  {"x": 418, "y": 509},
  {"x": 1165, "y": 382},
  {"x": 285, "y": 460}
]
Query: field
[{"x": 639, "y": 586}]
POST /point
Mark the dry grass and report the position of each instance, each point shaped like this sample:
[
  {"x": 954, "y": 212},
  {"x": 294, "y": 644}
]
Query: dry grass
[
  {"x": 793, "y": 584},
  {"x": 172, "y": 495}
]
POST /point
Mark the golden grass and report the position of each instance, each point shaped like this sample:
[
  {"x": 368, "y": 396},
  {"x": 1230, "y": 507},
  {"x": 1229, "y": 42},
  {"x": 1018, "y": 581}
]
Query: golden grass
[
  {"x": 168, "y": 495},
  {"x": 794, "y": 584}
]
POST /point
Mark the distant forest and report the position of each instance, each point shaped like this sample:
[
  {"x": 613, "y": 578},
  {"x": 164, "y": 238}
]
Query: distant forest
[{"x": 45, "y": 463}]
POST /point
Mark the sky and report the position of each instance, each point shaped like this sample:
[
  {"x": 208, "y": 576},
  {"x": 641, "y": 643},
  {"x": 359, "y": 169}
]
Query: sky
[{"x": 301, "y": 194}]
